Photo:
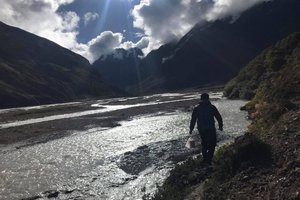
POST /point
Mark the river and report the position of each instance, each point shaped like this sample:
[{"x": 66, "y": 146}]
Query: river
[{"x": 123, "y": 162}]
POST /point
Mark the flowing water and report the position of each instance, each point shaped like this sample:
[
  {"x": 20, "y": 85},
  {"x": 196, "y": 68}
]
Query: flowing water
[{"x": 125, "y": 162}]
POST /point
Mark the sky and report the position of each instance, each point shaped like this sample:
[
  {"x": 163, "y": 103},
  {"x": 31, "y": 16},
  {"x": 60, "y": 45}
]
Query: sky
[{"x": 93, "y": 28}]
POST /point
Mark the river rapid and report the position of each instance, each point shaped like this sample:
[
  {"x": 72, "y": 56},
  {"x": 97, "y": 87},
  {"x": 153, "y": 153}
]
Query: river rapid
[{"x": 123, "y": 162}]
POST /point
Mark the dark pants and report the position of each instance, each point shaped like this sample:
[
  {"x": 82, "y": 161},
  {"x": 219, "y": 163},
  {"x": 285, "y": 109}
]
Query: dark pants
[{"x": 209, "y": 141}]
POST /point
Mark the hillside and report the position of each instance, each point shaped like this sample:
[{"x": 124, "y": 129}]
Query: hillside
[
  {"x": 35, "y": 71},
  {"x": 264, "y": 163},
  {"x": 255, "y": 77},
  {"x": 214, "y": 54}
]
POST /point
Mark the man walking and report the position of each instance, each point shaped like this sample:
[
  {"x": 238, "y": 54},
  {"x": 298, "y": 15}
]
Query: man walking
[{"x": 204, "y": 114}]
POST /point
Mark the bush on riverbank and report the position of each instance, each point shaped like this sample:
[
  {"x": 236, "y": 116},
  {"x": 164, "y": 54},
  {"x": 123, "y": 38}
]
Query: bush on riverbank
[
  {"x": 182, "y": 178},
  {"x": 246, "y": 153}
]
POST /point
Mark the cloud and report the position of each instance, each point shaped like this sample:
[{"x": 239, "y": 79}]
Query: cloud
[
  {"x": 40, "y": 17},
  {"x": 141, "y": 44},
  {"x": 164, "y": 21},
  {"x": 89, "y": 17},
  {"x": 225, "y": 8},
  {"x": 103, "y": 44},
  {"x": 167, "y": 20}
]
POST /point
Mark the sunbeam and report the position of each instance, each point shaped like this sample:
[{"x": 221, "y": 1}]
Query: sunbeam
[
  {"x": 129, "y": 6},
  {"x": 103, "y": 16}
]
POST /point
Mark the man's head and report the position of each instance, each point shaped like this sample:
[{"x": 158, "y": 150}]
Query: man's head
[{"x": 204, "y": 97}]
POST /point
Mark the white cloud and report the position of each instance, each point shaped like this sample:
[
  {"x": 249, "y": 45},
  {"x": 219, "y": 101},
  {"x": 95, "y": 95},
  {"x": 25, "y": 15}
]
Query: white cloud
[
  {"x": 141, "y": 44},
  {"x": 89, "y": 17},
  {"x": 167, "y": 20},
  {"x": 103, "y": 44},
  {"x": 224, "y": 8},
  {"x": 41, "y": 18},
  {"x": 70, "y": 21},
  {"x": 164, "y": 21}
]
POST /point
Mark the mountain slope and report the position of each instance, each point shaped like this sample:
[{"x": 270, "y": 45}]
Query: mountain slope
[
  {"x": 215, "y": 53},
  {"x": 256, "y": 77},
  {"x": 35, "y": 71}
]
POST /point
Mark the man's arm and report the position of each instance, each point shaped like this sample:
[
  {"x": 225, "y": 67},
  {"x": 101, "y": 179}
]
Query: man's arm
[
  {"x": 193, "y": 120},
  {"x": 219, "y": 118}
]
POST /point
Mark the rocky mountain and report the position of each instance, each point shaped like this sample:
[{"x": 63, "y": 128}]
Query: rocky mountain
[
  {"x": 121, "y": 67},
  {"x": 213, "y": 53},
  {"x": 35, "y": 71},
  {"x": 127, "y": 69}
]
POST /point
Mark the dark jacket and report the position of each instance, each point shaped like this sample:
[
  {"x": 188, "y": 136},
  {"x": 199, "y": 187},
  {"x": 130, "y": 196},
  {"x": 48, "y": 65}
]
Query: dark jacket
[{"x": 204, "y": 114}]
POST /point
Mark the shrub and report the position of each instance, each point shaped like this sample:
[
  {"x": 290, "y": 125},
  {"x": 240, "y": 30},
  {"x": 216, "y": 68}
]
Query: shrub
[{"x": 246, "y": 152}]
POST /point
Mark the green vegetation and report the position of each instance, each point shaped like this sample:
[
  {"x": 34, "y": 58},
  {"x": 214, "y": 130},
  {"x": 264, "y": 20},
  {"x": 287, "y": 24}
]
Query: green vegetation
[{"x": 275, "y": 63}]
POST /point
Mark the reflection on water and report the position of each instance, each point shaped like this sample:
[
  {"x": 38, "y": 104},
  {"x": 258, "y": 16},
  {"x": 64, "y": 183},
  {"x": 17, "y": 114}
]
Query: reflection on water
[{"x": 124, "y": 162}]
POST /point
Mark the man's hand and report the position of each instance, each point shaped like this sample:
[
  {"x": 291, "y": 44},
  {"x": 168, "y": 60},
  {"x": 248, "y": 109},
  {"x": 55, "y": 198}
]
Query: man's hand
[{"x": 221, "y": 128}]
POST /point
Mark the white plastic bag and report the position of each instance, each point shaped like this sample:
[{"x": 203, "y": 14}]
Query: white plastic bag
[
  {"x": 191, "y": 143},
  {"x": 194, "y": 141}
]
